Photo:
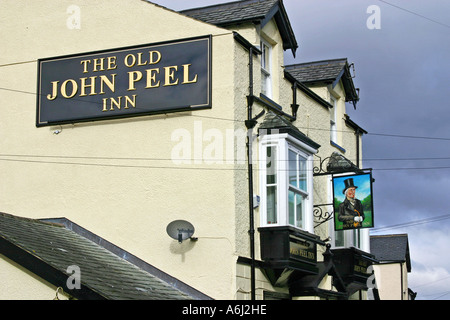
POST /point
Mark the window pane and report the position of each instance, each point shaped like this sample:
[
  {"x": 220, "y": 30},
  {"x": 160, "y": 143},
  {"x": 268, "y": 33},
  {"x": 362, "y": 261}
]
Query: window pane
[
  {"x": 333, "y": 113},
  {"x": 302, "y": 174},
  {"x": 264, "y": 83},
  {"x": 291, "y": 200},
  {"x": 272, "y": 205},
  {"x": 356, "y": 238},
  {"x": 296, "y": 209},
  {"x": 339, "y": 238},
  {"x": 271, "y": 167},
  {"x": 293, "y": 180},
  {"x": 299, "y": 209},
  {"x": 333, "y": 132},
  {"x": 265, "y": 56}
]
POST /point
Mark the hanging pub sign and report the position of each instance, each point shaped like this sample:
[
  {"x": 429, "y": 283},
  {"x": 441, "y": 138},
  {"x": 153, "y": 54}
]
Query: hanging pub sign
[
  {"x": 353, "y": 205},
  {"x": 133, "y": 81}
]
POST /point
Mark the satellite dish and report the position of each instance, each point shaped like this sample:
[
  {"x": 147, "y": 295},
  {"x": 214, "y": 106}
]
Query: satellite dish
[{"x": 180, "y": 230}]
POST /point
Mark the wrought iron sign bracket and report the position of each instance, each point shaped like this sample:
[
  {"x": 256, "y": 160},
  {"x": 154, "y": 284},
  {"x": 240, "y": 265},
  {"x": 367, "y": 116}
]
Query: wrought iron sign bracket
[
  {"x": 319, "y": 170},
  {"x": 321, "y": 215},
  {"x": 336, "y": 164}
]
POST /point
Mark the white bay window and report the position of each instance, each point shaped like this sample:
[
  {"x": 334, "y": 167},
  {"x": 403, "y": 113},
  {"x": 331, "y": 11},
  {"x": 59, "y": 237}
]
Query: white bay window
[{"x": 286, "y": 182}]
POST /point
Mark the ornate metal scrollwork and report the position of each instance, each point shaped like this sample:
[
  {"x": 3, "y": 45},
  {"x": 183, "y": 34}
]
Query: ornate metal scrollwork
[
  {"x": 321, "y": 215},
  {"x": 320, "y": 170},
  {"x": 337, "y": 163}
]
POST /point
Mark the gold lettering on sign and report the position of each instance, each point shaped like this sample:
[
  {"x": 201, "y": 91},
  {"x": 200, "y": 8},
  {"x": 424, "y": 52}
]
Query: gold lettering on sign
[
  {"x": 170, "y": 76},
  {"x": 154, "y": 54},
  {"x": 64, "y": 88},
  {"x": 83, "y": 86},
  {"x": 186, "y": 75},
  {"x": 101, "y": 83},
  {"x": 133, "y": 77},
  {"x": 361, "y": 266},
  {"x": 110, "y": 84},
  {"x": 54, "y": 93},
  {"x": 118, "y": 103},
  {"x": 151, "y": 78},
  {"x": 99, "y": 64},
  {"x": 112, "y": 63},
  {"x": 302, "y": 253}
]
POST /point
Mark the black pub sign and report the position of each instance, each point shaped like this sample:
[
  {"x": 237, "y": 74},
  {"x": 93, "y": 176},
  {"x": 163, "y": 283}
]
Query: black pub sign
[
  {"x": 303, "y": 250},
  {"x": 125, "y": 82}
]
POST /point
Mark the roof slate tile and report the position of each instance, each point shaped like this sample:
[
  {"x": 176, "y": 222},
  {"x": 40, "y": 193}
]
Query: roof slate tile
[{"x": 101, "y": 270}]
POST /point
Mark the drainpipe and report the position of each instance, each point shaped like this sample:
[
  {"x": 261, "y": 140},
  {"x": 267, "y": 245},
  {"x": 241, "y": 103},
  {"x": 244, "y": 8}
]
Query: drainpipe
[
  {"x": 250, "y": 124},
  {"x": 294, "y": 104},
  {"x": 401, "y": 280},
  {"x": 358, "y": 132},
  {"x": 357, "y": 165}
]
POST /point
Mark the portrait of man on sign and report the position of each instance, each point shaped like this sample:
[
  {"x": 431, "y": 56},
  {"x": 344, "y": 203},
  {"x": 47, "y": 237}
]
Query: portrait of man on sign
[
  {"x": 353, "y": 202},
  {"x": 351, "y": 211}
]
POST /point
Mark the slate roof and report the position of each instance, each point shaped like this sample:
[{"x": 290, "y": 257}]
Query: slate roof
[
  {"x": 232, "y": 12},
  {"x": 248, "y": 11},
  {"x": 327, "y": 72},
  {"x": 318, "y": 71},
  {"x": 391, "y": 248},
  {"x": 48, "y": 249},
  {"x": 273, "y": 121}
]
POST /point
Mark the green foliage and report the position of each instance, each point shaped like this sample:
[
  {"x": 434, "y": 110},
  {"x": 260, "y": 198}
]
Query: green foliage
[{"x": 367, "y": 203}]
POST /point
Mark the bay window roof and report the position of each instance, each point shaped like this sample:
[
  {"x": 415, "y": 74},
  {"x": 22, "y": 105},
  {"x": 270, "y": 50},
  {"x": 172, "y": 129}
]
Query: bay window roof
[{"x": 273, "y": 122}]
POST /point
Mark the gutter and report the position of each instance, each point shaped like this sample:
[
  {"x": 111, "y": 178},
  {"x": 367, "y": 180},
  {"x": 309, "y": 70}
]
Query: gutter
[{"x": 307, "y": 91}]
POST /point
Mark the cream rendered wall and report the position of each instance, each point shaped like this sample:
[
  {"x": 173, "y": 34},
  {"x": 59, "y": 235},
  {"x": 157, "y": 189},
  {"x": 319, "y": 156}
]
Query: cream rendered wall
[
  {"x": 20, "y": 284},
  {"x": 391, "y": 278},
  {"x": 130, "y": 207}
]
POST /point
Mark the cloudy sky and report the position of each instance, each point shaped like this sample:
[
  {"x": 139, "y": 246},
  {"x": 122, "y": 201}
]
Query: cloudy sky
[{"x": 403, "y": 70}]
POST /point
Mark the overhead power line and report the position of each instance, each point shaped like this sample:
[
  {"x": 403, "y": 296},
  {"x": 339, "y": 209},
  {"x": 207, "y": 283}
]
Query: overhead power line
[
  {"x": 193, "y": 159},
  {"x": 408, "y": 136},
  {"x": 16, "y": 63},
  {"x": 416, "y": 14},
  {"x": 428, "y": 283},
  {"x": 174, "y": 167},
  {"x": 391, "y": 135},
  {"x": 208, "y": 163},
  {"x": 412, "y": 223}
]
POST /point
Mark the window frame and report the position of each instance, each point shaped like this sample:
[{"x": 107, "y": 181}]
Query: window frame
[
  {"x": 297, "y": 190},
  {"x": 285, "y": 142},
  {"x": 266, "y": 68},
  {"x": 333, "y": 120}
]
